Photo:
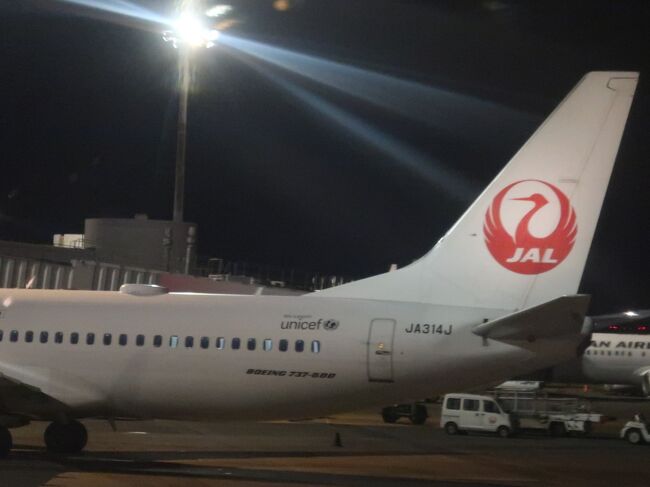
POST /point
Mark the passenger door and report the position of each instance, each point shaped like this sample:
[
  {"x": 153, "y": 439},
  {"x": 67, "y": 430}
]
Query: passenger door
[
  {"x": 380, "y": 350},
  {"x": 471, "y": 414},
  {"x": 491, "y": 414}
]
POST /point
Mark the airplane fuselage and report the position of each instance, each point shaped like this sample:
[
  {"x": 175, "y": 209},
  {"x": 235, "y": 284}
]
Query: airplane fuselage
[
  {"x": 616, "y": 359},
  {"x": 223, "y": 356},
  {"x": 611, "y": 358}
]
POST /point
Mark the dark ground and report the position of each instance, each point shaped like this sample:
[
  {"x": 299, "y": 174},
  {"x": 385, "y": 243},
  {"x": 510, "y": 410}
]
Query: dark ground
[{"x": 166, "y": 453}]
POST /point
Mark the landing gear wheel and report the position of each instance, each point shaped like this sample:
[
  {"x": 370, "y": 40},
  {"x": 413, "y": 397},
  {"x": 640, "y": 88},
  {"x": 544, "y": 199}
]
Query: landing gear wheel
[
  {"x": 66, "y": 437},
  {"x": 451, "y": 429},
  {"x": 503, "y": 431},
  {"x": 634, "y": 437},
  {"x": 388, "y": 415},
  {"x": 6, "y": 442},
  {"x": 557, "y": 429},
  {"x": 419, "y": 415}
]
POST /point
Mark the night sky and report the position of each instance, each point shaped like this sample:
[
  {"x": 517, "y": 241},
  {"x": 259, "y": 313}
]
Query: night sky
[{"x": 88, "y": 117}]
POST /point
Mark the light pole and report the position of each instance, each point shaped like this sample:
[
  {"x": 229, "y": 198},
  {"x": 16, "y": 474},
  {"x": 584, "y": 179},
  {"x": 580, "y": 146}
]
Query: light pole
[
  {"x": 181, "y": 132},
  {"x": 188, "y": 34}
]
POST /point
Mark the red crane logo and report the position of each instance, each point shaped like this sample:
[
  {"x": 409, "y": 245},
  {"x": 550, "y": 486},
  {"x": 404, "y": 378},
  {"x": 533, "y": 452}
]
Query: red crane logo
[{"x": 523, "y": 252}]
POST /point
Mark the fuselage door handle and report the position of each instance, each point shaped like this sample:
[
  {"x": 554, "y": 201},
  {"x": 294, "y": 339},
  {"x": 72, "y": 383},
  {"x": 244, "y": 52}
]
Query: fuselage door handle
[{"x": 383, "y": 352}]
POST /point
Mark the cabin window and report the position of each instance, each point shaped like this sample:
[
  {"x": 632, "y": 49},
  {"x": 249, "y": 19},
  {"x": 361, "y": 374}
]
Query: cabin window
[
  {"x": 490, "y": 407},
  {"x": 251, "y": 344},
  {"x": 189, "y": 342},
  {"x": 123, "y": 340},
  {"x": 139, "y": 340},
  {"x": 108, "y": 339},
  {"x": 173, "y": 341},
  {"x": 205, "y": 342},
  {"x": 236, "y": 342},
  {"x": 453, "y": 403},
  {"x": 283, "y": 346},
  {"x": 587, "y": 352},
  {"x": 13, "y": 336},
  {"x": 157, "y": 341},
  {"x": 315, "y": 346},
  {"x": 90, "y": 339},
  {"x": 29, "y": 336},
  {"x": 221, "y": 343},
  {"x": 58, "y": 337},
  {"x": 267, "y": 345},
  {"x": 44, "y": 337},
  {"x": 74, "y": 338},
  {"x": 470, "y": 405},
  {"x": 300, "y": 345}
]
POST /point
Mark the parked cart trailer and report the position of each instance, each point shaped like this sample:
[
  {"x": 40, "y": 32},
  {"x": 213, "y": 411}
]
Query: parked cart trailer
[
  {"x": 557, "y": 415},
  {"x": 416, "y": 412}
]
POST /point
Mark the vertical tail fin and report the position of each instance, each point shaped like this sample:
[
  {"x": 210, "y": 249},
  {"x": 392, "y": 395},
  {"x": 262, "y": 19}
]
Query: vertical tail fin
[{"x": 525, "y": 240}]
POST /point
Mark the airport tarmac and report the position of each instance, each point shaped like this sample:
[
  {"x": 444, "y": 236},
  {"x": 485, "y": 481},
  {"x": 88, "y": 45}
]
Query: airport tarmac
[{"x": 170, "y": 453}]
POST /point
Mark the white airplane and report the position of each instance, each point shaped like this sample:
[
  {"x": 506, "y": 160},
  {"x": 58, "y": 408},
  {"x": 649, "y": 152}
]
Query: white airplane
[
  {"x": 494, "y": 298},
  {"x": 618, "y": 354}
]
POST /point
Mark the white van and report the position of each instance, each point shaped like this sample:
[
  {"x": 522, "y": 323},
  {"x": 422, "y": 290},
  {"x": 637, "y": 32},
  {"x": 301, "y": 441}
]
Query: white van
[{"x": 470, "y": 412}]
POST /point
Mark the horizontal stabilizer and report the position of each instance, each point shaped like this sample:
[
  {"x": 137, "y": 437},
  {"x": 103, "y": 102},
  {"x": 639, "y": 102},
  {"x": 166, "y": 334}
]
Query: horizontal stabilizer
[{"x": 553, "y": 319}]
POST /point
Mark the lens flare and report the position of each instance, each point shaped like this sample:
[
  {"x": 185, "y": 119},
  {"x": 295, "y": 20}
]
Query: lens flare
[
  {"x": 121, "y": 8},
  {"x": 218, "y": 11},
  {"x": 447, "y": 111},
  {"x": 189, "y": 30},
  {"x": 423, "y": 166}
]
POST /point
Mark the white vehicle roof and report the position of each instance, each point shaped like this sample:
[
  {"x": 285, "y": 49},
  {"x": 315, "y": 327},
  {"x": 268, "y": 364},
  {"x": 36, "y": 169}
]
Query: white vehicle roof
[{"x": 462, "y": 395}]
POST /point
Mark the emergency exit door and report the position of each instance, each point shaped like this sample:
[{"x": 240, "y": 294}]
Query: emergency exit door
[{"x": 380, "y": 350}]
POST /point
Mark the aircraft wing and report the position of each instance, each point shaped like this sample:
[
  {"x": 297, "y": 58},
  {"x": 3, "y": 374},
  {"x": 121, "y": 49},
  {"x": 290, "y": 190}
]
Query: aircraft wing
[
  {"x": 17, "y": 397},
  {"x": 40, "y": 392},
  {"x": 551, "y": 320}
]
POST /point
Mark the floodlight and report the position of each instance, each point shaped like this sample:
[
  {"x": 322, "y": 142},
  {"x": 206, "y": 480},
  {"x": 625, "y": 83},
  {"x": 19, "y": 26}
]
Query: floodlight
[
  {"x": 218, "y": 10},
  {"x": 190, "y": 31}
]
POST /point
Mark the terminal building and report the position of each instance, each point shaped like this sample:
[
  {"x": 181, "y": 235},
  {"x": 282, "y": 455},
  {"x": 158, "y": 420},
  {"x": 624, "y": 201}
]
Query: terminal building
[{"x": 116, "y": 251}]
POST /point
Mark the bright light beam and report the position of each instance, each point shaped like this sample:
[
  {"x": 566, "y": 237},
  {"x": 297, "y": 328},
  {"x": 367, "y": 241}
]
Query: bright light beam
[
  {"x": 122, "y": 8},
  {"x": 443, "y": 109},
  {"x": 188, "y": 30},
  {"x": 218, "y": 11},
  {"x": 421, "y": 165}
]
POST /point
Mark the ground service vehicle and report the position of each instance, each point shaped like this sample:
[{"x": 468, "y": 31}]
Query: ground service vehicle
[
  {"x": 416, "y": 412},
  {"x": 557, "y": 415},
  {"x": 471, "y": 412},
  {"x": 636, "y": 431}
]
